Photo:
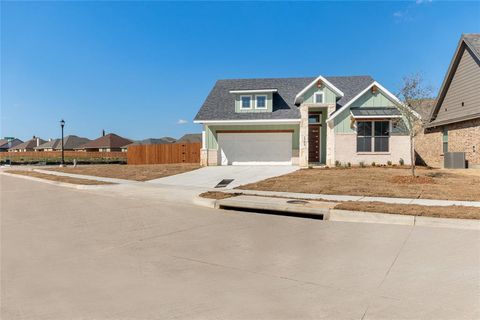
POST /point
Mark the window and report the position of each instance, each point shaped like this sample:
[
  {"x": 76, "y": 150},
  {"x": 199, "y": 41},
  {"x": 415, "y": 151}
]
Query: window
[
  {"x": 318, "y": 97},
  {"x": 445, "y": 140},
  {"x": 245, "y": 102},
  {"x": 261, "y": 102},
  {"x": 314, "y": 118},
  {"x": 373, "y": 135}
]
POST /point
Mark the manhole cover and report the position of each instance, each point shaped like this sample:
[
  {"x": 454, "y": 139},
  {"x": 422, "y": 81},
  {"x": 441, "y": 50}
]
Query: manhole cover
[
  {"x": 224, "y": 183},
  {"x": 297, "y": 201}
]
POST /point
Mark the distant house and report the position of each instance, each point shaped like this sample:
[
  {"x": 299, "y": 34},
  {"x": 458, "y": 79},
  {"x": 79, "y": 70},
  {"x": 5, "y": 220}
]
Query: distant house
[
  {"x": 28, "y": 145},
  {"x": 453, "y": 124},
  {"x": 190, "y": 138},
  {"x": 106, "y": 143},
  {"x": 163, "y": 140},
  {"x": 69, "y": 143},
  {"x": 6, "y": 144}
]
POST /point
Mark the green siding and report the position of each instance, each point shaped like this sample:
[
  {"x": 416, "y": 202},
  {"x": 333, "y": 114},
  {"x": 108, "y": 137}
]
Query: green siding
[
  {"x": 342, "y": 121},
  {"x": 269, "y": 103},
  {"x": 211, "y": 132},
  {"x": 328, "y": 95}
]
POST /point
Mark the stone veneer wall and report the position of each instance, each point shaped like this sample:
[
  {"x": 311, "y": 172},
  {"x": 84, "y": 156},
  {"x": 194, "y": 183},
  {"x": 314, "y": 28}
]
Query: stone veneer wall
[{"x": 462, "y": 137}]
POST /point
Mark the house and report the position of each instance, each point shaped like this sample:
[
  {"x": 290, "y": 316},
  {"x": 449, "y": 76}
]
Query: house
[
  {"x": 7, "y": 143},
  {"x": 453, "y": 124},
  {"x": 70, "y": 142},
  {"x": 28, "y": 145},
  {"x": 302, "y": 121},
  {"x": 162, "y": 140},
  {"x": 106, "y": 143},
  {"x": 190, "y": 138}
]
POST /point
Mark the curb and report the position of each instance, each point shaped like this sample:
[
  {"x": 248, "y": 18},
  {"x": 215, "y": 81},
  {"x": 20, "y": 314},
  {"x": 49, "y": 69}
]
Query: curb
[
  {"x": 372, "y": 217},
  {"x": 57, "y": 183},
  {"x": 82, "y": 176}
]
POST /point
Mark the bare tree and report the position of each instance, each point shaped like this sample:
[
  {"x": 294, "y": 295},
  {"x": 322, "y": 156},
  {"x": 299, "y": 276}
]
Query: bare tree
[{"x": 413, "y": 94}]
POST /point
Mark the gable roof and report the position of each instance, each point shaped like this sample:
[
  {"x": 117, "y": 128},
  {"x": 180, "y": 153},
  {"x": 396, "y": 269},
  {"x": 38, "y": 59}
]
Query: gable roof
[
  {"x": 30, "y": 144},
  {"x": 220, "y": 103},
  {"x": 110, "y": 140},
  {"x": 14, "y": 142},
  {"x": 70, "y": 142},
  {"x": 190, "y": 138},
  {"x": 469, "y": 42}
]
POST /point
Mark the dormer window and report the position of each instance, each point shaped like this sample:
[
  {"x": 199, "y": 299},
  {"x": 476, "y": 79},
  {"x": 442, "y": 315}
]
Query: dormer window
[
  {"x": 318, "y": 97},
  {"x": 261, "y": 102},
  {"x": 246, "y": 102}
]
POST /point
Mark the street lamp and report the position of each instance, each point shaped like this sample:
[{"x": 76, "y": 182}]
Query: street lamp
[{"x": 62, "y": 124}]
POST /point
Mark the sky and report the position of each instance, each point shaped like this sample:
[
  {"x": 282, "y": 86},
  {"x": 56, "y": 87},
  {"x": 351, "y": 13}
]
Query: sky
[{"x": 143, "y": 69}]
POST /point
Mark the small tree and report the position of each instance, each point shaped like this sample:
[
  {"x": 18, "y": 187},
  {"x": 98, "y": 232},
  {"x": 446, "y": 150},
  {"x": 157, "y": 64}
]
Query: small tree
[{"x": 412, "y": 94}]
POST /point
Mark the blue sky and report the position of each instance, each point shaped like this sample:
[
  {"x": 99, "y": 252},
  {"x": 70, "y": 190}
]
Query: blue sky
[{"x": 142, "y": 69}]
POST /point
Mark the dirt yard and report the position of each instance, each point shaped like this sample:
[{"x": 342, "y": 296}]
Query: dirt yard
[
  {"x": 458, "y": 212},
  {"x": 378, "y": 181},
  {"x": 130, "y": 172},
  {"x": 57, "y": 178}
]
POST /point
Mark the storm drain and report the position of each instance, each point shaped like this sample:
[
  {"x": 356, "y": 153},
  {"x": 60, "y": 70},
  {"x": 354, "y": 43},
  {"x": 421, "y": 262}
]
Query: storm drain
[{"x": 224, "y": 183}]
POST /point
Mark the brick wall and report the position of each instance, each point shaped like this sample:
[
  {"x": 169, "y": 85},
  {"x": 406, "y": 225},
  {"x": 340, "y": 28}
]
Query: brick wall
[{"x": 462, "y": 137}]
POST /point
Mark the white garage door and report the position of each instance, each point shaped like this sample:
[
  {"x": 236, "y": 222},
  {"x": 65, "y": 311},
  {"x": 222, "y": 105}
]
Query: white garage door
[{"x": 255, "y": 148}]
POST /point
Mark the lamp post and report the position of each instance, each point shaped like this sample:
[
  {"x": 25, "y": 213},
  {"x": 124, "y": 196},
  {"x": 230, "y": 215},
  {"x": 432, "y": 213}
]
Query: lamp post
[{"x": 62, "y": 124}]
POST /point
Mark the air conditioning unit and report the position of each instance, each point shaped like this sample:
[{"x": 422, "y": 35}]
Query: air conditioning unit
[{"x": 454, "y": 160}]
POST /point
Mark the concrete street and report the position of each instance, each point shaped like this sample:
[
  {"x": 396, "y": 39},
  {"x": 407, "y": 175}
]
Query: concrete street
[{"x": 99, "y": 254}]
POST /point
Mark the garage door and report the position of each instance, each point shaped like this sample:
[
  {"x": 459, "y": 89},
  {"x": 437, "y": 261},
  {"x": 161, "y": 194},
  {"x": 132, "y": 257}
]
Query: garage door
[{"x": 255, "y": 148}]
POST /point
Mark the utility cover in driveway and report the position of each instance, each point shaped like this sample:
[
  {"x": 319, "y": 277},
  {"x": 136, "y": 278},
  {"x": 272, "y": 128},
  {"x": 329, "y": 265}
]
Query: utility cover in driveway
[{"x": 223, "y": 183}]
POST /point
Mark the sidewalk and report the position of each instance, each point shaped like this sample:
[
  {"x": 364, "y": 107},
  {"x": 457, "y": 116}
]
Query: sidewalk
[{"x": 329, "y": 197}]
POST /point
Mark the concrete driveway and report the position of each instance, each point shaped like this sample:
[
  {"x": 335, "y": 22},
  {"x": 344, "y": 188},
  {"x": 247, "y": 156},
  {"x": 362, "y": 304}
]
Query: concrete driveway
[
  {"x": 84, "y": 254},
  {"x": 209, "y": 177}
]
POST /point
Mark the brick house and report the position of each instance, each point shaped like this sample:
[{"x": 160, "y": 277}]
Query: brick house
[{"x": 453, "y": 124}]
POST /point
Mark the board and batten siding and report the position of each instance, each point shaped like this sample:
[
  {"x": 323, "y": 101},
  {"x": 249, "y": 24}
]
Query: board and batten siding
[
  {"x": 211, "y": 132},
  {"x": 370, "y": 100},
  {"x": 253, "y": 102},
  {"x": 464, "y": 87},
  {"x": 328, "y": 95}
]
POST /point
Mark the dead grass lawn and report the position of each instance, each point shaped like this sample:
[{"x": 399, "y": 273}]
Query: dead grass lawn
[
  {"x": 380, "y": 181},
  {"x": 218, "y": 195},
  {"x": 130, "y": 172},
  {"x": 57, "y": 178},
  {"x": 458, "y": 212}
]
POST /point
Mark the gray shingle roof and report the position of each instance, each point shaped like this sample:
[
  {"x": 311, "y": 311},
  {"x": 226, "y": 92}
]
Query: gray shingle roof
[
  {"x": 70, "y": 142},
  {"x": 4, "y": 143},
  {"x": 220, "y": 103},
  {"x": 377, "y": 111},
  {"x": 473, "y": 39},
  {"x": 190, "y": 138},
  {"x": 163, "y": 140}
]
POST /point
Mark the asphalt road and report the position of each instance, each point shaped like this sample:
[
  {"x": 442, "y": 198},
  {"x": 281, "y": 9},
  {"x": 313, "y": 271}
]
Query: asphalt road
[{"x": 78, "y": 254}]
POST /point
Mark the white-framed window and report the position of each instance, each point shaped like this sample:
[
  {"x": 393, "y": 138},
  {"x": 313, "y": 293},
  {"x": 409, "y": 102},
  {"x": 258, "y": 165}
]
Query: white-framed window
[
  {"x": 373, "y": 136},
  {"x": 245, "y": 102},
  {"x": 261, "y": 102},
  {"x": 318, "y": 97}
]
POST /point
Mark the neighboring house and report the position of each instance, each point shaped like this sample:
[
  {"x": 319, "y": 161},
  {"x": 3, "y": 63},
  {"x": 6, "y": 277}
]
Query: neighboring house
[
  {"x": 453, "y": 124},
  {"x": 302, "y": 121},
  {"x": 190, "y": 138},
  {"x": 163, "y": 140},
  {"x": 69, "y": 144},
  {"x": 28, "y": 145},
  {"x": 7, "y": 143},
  {"x": 106, "y": 143}
]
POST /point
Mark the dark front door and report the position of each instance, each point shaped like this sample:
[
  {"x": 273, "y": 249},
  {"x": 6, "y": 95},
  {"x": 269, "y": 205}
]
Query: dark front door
[{"x": 314, "y": 143}]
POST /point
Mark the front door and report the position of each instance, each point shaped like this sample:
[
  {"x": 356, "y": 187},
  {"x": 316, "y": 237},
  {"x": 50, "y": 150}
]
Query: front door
[{"x": 314, "y": 137}]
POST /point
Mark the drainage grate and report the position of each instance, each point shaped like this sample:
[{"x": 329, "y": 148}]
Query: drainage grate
[
  {"x": 224, "y": 183},
  {"x": 297, "y": 201}
]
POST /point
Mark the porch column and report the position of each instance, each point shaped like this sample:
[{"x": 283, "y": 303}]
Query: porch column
[
  {"x": 204, "y": 150},
  {"x": 303, "y": 144},
  {"x": 330, "y": 158}
]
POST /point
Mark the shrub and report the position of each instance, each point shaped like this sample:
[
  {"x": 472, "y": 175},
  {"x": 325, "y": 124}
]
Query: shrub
[
  {"x": 349, "y": 164},
  {"x": 361, "y": 164},
  {"x": 401, "y": 162},
  {"x": 389, "y": 162},
  {"x": 337, "y": 163},
  {"x": 373, "y": 164}
]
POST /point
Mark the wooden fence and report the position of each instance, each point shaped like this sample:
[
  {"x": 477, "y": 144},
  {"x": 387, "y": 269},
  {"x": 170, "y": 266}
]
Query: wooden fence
[
  {"x": 57, "y": 155},
  {"x": 164, "y": 153}
]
